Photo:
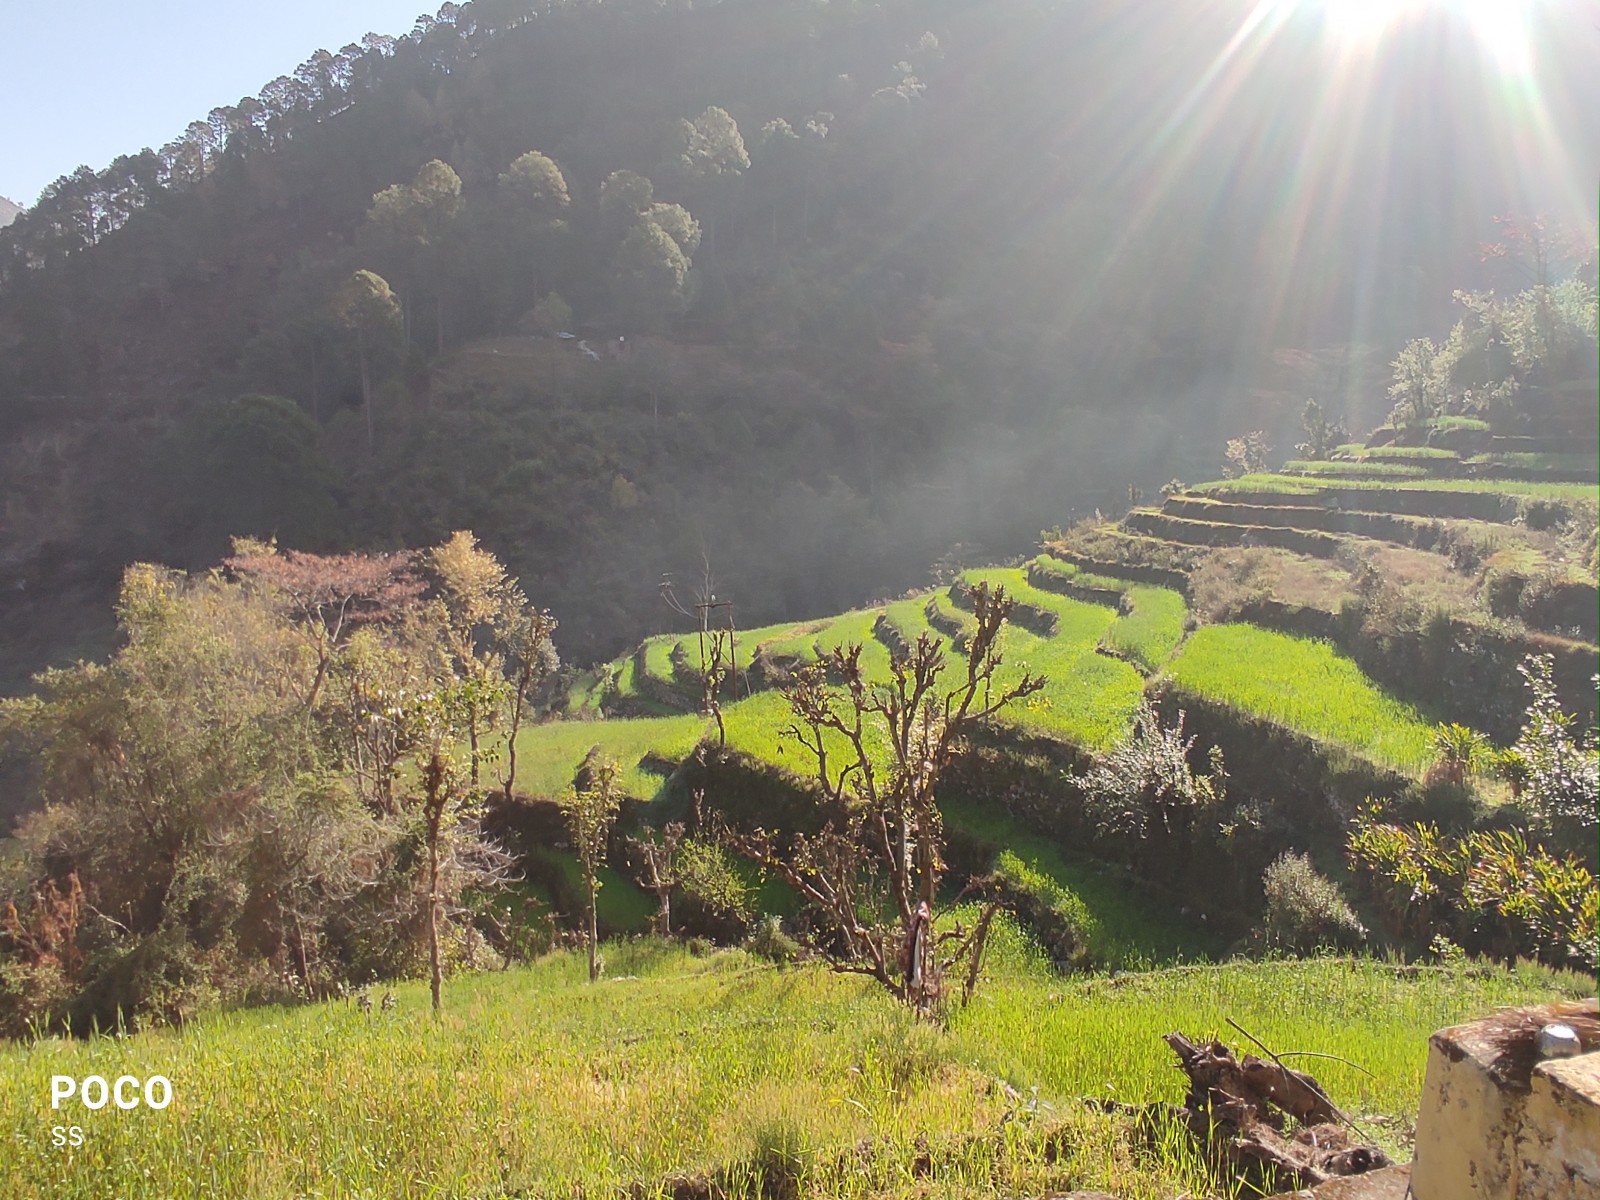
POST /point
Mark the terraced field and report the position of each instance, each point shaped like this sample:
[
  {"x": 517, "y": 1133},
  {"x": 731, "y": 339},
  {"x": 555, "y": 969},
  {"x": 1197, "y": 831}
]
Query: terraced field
[
  {"x": 1297, "y": 485},
  {"x": 1492, "y": 535},
  {"x": 1234, "y": 595},
  {"x": 1303, "y": 684},
  {"x": 1106, "y": 613}
]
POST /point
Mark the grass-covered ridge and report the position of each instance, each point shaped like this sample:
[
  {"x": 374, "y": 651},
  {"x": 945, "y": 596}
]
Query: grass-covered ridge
[
  {"x": 1307, "y": 486},
  {"x": 534, "y": 1082},
  {"x": 1306, "y": 685}
]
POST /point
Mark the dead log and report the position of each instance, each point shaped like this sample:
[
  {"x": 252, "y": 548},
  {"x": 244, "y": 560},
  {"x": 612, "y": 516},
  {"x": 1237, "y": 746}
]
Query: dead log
[
  {"x": 1238, "y": 1109},
  {"x": 1297, "y": 1093}
]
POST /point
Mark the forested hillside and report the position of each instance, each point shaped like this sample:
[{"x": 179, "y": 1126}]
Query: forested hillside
[{"x": 851, "y": 287}]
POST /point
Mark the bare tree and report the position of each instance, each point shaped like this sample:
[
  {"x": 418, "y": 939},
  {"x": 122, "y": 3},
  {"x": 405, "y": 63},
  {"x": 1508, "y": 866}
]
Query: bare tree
[
  {"x": 327, "y": 597},
  {"x": 461, "y": 859},
  {"x": 719, "y": 648},
  {"x": 657, "y": 856},
  {"x": 882, "y": 851},
  {"x": 531, "y": 654},
  {"x": 591, "y": 809}
]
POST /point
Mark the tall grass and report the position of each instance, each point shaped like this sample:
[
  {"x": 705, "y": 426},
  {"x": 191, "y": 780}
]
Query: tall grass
[
  {"x": 534, "y": 1082},
  {"x": 1088, "y": 699},
  {"x": 1306, "y": 486},
  {"x": 1355, "y": 470},
  {"x": 549, "y": 755},
  {"x": 1306, "y": 685},
  {"x": 1152, "y": 628}
]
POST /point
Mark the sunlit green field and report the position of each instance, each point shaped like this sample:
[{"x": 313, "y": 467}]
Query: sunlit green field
[
  {"x": 658, "y": 657},
  {"x": 1149, "y": 633},
  {"x": 1356, "y": 470},
  {"x": 1088, "y": 699},
  {"x": 1304, "y": 485},
  {"x": 534, "y": 1082},
  {"x": 1092, "y": 663},
  {"x": 1303, "y": 684},
  {"x": 549, "y": 754},
  {"x": 1401, "y": 453}
]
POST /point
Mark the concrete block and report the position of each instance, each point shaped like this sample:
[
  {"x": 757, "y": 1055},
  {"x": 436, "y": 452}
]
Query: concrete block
[{"x": 1495, "y": 1124}]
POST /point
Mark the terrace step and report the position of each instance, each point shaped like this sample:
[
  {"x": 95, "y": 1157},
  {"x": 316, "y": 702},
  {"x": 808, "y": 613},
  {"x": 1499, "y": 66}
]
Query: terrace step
[
  {"x": 1566, "y": 443},
  {"x": 1206, "y": 533},
  {"x": 1441, "y": 505},
  {"x": 656, "y": 689},
  {"x": 1389, "y": 527},
  {"x": 1568, "y": 471},
  {"x": 1047, "y": 580},
  {"x": 942, "y": 621},
  {"x": 884, "y": 630},
  {"x": 1036, "y": 620},
  {"x": 1129, "y": 568}
]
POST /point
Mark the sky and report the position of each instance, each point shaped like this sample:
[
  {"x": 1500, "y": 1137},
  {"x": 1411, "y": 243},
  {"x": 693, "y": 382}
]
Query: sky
[{"x": 82, "y": 81}]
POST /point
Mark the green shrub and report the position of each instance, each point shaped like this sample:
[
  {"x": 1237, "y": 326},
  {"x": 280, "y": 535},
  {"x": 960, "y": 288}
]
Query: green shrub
[
  {"x": 1490, "y": 891},
  {"x": 1460, "y": 751},
  {"x": 1305, "y": 910},
  {"x": 1560, "y": 764},
  {"x": 783, "y": 1155},
  {"x": 769, "y": 941}
]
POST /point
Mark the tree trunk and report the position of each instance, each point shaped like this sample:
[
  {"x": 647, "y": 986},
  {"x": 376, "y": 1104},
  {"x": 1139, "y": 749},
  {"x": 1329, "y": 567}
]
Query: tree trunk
[
  {"x": 300, "y": 953},
  {"x": 594, "y": 932},
  {"x": 472, "y": 742},
  {"x": 511, "y": 743},
  {"x": 436, "y": 969}
]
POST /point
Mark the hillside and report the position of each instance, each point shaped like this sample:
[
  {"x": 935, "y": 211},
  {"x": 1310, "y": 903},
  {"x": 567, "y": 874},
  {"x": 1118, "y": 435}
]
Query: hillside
[
  {"x": 668, "y": 522},
  {"x": 919, "y": 263},
  {"x": 1319, "y": 645}
]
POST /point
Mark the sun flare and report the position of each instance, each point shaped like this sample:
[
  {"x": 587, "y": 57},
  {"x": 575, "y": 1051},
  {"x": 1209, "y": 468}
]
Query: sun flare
[{"x": 1499, "y": 25}]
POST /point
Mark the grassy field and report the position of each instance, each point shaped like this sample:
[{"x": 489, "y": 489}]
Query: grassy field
[
  {"x": 1092, "y": 664},
  {"x": 1401, "y": 453},
  {"x": 1088, "y": 698},
  {"x": 548, "y": 755},
  {"x": 1453, "y": 422},
  {"x": 658, "y": 657},
  {"x": 535, "y": 1083},
  {"x": 1148, "y": 633},
  {"x": 621, "y": 906},
  {"x": 1364, "y": 469},
  {"x": 1306, "y": 685},
  {"x": 1120, "y": 925},
  {"x": 1530, "y": 459},
  {"x": 1301, "y": 485}
]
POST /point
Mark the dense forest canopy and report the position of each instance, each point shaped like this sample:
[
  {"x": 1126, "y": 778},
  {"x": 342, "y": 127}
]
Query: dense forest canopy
[{"x": 853, "y": 283}]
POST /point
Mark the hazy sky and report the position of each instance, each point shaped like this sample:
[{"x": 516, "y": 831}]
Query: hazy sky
[{"x": 82, "y": 81}]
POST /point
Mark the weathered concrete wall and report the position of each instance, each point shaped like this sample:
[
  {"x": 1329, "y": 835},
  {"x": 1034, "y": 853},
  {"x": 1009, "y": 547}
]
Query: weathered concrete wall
[
  {"x": 1558, "y": 1150},
  {"x": 1494, "y": 1126}
]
